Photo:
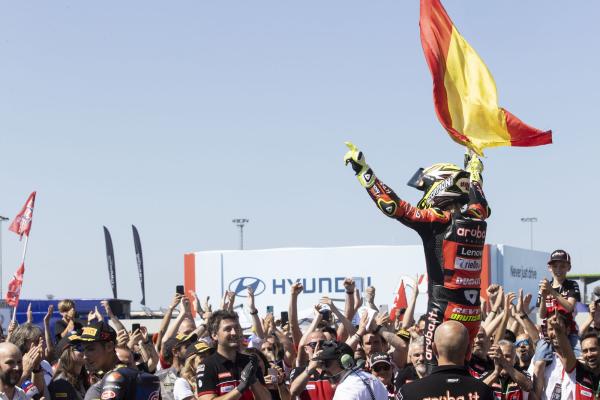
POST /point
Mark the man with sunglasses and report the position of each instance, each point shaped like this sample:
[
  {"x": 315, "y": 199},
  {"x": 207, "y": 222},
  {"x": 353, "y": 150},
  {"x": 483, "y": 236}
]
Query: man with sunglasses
[
  {"x": 352, "y": 383},
  {"x": 382, "y": 369},
  {"x": 310, "y": 382},
  {"x": 524, "y": 348},
  {"x": 450, "y": 219},
  {"x": 507, "y": 380}
]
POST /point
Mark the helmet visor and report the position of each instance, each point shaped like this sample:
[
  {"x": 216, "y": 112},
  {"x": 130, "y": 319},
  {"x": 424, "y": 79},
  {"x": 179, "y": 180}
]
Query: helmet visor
[{"x": 416, "y": 180}]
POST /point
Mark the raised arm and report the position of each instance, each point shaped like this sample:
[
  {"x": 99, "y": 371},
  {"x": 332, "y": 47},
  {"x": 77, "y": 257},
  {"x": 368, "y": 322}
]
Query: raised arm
[
  {"x": 166, "y": 321},
  {"x": 341, "y": 317},
  {"x": 509, "y": 298},
  {"x": 149, "y": 354},
  {"x": 349, "y": 286},
  {"x": 113, "y": 318},
  {"x": 256, "y": 323},
  {"x": 50, "y": 356},
  {"x": 318, "y": 317},
  {"x": 400, "y": 345},
  {"x": 409, "y": 314},
  {"x": 385, "y": 198},
  {"x": 522, "y": 316},
  {"x": 184, "y": 312},
  {"x": 564, "y": 349},
  {"x": 293, "y": 312}
]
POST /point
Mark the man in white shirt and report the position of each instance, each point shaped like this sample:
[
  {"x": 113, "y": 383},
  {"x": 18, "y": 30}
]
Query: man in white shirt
[
  {"x": 352, "y": 383},
  {"x": 565, "y": 378},
  {"x": 11, "y": 368}
]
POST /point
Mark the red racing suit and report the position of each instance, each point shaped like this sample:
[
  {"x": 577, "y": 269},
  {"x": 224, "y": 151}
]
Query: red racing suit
[{"x": 453, "y": 244}]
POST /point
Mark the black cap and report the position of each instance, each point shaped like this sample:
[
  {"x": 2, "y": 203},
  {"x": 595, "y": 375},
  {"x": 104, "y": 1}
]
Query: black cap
[
  {"x": 377, "y": 358},
  {"x": 177, "y": 341},
  {"x": 197, "y": 348},
  {"x": 69, "y": 340},
  {"x": 331, "y": 350},
  {"x": 559, "y": 255},
  {"x": 96, "y": 332}
]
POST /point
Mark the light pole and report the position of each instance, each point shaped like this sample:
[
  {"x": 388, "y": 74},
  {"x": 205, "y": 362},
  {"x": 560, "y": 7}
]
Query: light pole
[
  {"x": 531, "y": 220},
  {"x": 241, "y": 222},
  {"x": 2, "y": 219}
]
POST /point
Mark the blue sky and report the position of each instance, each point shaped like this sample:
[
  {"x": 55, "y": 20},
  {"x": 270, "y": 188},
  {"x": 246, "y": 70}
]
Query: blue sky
[{"x": 178, "y": 117}]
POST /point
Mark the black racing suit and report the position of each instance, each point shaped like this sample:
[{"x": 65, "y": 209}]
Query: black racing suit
[
  {"x": 125, "y": 383},
  {"x": 453, "y": 244}
]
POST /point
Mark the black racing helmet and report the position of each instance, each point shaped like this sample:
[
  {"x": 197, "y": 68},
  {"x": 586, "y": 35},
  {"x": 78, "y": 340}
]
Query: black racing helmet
[{"x": 443, "y": 185}]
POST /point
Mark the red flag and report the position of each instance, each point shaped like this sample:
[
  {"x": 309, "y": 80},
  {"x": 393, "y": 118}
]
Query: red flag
[
  {"x": 399, "y": 300},
  {"x": 21, "y": 225},
  {"x": 14, "y": 287}
]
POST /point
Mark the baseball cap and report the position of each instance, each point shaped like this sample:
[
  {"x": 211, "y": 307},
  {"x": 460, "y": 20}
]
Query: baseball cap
[
  {"x": 559, "y": 255},
  {"x": 333, "y": 351},
  {"x": 96, "y": 332},
  {"x": 197, "y": 348},
  {"x": 378, "y": 358},
  {"x": 177, "y": 341},
  {"x": 66, "y": 341}
]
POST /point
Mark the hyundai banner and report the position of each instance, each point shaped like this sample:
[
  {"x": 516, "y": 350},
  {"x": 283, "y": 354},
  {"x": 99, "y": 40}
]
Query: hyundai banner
[{"x": 322, "y": 271}]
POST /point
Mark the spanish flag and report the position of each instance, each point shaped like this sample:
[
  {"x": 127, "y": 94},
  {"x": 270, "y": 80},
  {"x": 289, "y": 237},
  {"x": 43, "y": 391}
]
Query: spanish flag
[{"x": 464, "y": 90}]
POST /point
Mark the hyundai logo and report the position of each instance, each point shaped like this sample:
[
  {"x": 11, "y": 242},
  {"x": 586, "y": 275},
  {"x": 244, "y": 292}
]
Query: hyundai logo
[{"x": 239, "y": 286}]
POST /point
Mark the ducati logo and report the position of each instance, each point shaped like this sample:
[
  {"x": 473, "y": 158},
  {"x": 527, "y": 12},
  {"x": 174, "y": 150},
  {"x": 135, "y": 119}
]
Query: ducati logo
[{"x": 471, "y": 295}]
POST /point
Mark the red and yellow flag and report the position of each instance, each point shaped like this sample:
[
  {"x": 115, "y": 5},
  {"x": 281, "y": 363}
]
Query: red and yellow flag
[{"x": 464, "y": 90}]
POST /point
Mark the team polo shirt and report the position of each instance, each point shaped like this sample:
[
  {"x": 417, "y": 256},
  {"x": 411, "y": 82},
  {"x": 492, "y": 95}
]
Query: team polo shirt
[
  {"x": 569, "y": 288},
  {"x": 318, "y": 386},
  {"x": 406, "y": 375},
  {"x": 478, "y": 367},
  {"x": 219, "y": 375},
  {"x": 577, "y": 384},
  {"x": 506, "y": 389},
  {"x": 446, "y": 382}
]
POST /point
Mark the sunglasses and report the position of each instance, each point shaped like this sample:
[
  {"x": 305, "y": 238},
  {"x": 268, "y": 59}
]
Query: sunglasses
[
  {"x": 526, "y": 342},
  {"x": 380, "y": 367},
  {"x": 313, "y": 345}
]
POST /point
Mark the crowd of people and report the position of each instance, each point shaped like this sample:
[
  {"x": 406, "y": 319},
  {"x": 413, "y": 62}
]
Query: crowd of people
[{"x": 201, "y": 353}]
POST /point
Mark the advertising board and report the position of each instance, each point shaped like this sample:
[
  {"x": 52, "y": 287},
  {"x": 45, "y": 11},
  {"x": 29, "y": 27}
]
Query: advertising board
[{"x": 271, "y": 272}]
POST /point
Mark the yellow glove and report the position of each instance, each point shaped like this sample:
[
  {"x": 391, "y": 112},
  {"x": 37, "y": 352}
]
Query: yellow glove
[
  {"x": 363, "y": 172},
  {"x": 475, "y": 168}
]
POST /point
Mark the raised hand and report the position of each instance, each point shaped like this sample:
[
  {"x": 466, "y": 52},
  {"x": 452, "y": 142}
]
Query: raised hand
[
  {"x": 48, "y": 314},
  {"x": 135, "y": 338},
  {"x": 370, "y": 295},
  {"x": 99, "y": 316},
  {"x": 29, "y": 314},
  {"x": 498, "y": 300},
  {"x": 362, "y": 324},
  {"x": 475, "y": 168},
  {"x": 248, "y": 375},
  {"x": 251, "y": 304},
  {"x": 33, "y": 358},
  {"x": 297, "y": 288},
  {"x": 382, "y": 319},
  {"x": 197, "y": 305},
  {"x": 356, "y": 159},
  {"x": 349, "y": 285},
  {"x": 508, "y": 301},
  {"x": 107, "y": 308},
  {"x": 122, "y": 338}
]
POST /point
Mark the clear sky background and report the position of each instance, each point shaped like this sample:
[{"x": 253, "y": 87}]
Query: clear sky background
[{"x": 179, "y": 116}]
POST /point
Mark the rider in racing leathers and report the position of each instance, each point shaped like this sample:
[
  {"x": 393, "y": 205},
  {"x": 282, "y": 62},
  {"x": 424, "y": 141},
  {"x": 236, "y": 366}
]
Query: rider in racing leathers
[{"x": 453, "y": 235}]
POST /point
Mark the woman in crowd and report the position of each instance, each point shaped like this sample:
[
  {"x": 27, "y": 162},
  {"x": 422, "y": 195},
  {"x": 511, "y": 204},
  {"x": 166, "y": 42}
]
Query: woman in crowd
[
  {"x": 185, "y": 385},
  {"x": 69, "y": 381}
]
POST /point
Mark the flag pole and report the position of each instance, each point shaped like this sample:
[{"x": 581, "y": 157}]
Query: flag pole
[{"x": 14, "y": 316}]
